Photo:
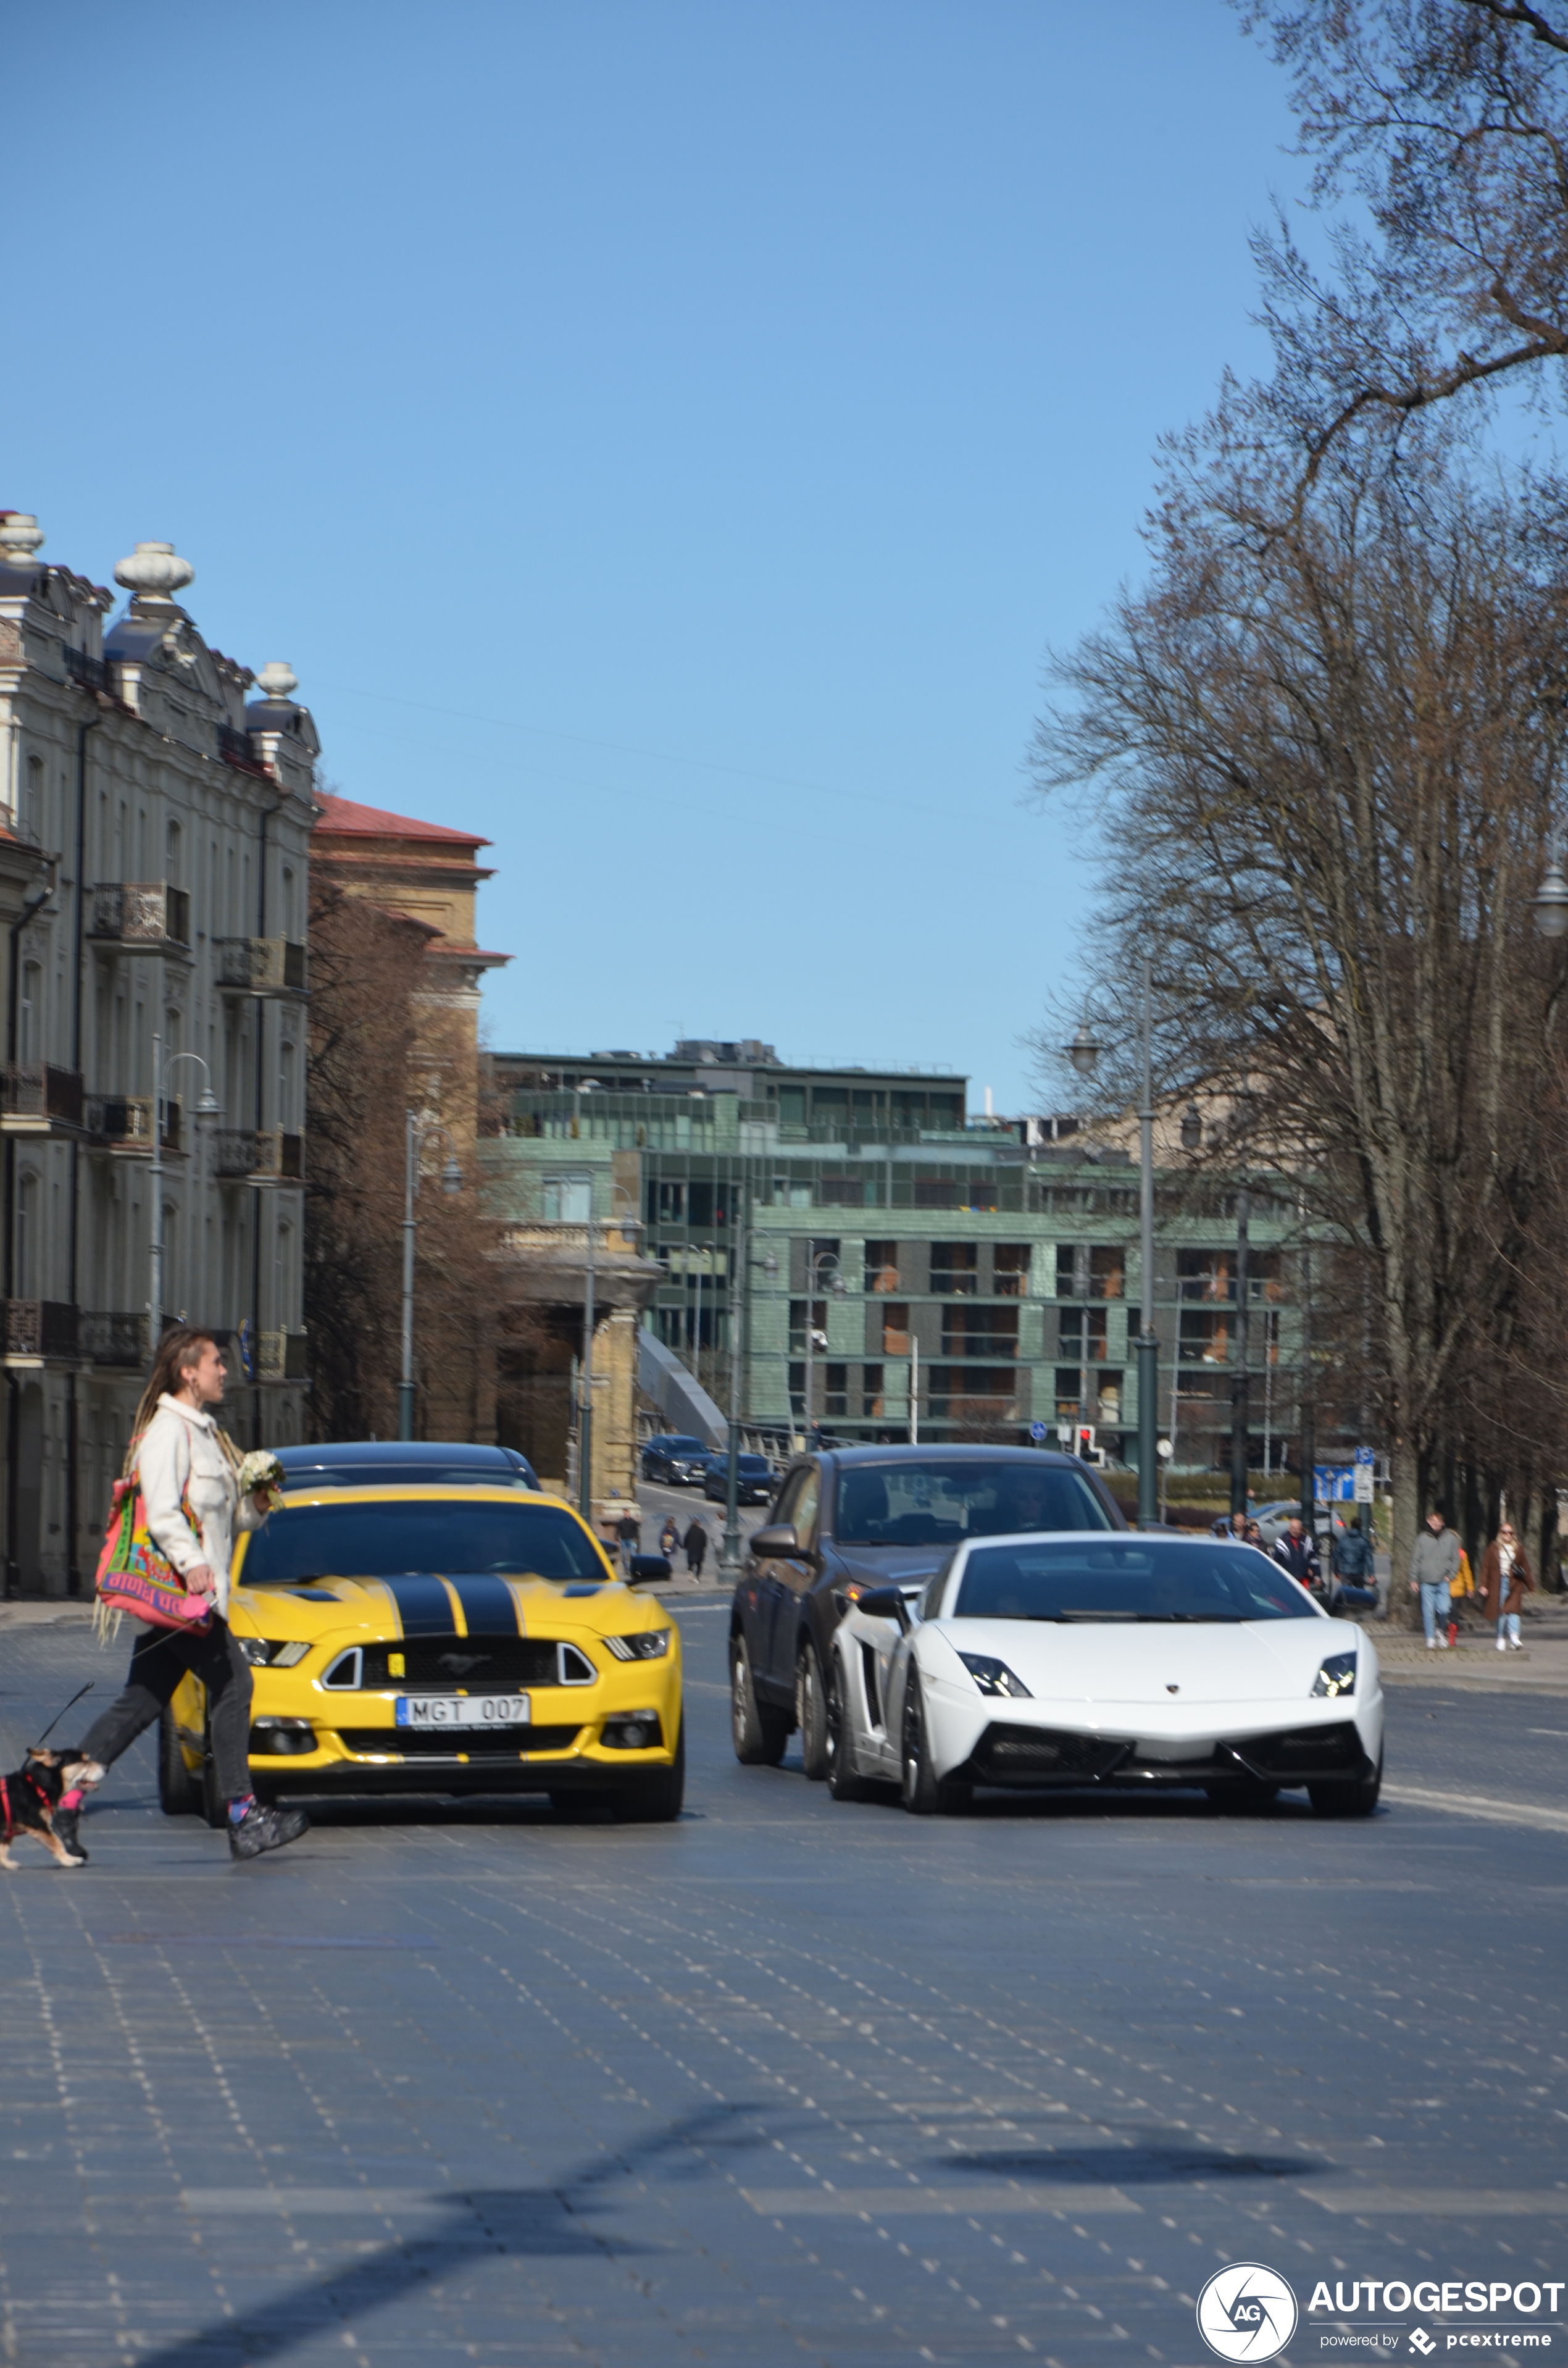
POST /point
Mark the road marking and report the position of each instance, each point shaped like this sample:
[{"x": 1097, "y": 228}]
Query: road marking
[
  {"x": 882, "y": 2203},
  {"x": 1474, "y": 1804},
  {"x": 1444, "y": 2203},
  {"x": 312, "y": 2200}
]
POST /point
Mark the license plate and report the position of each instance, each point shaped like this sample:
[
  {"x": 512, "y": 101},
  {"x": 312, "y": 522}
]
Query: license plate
[{"x": 463, "y": 1710}]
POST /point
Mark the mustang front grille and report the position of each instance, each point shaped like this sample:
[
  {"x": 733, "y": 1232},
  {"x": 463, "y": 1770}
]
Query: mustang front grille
[
  {"x": 482, "y": 1664},
  {"x": 471, "y": 1744}
]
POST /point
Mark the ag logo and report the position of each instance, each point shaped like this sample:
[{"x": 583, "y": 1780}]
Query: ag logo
[{"x": 1246, "y": 2312}]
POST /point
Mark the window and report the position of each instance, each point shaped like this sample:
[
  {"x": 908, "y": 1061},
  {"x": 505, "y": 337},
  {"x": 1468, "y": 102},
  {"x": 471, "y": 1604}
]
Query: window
[
  {"x": 1083, "y": 1333},
  {"x": 836, "y": 1389},
  {"x": 984, "y": 1331},
  {"x": 1068, "y": 1383},
  {"x": 1107, "y": 1270},
  {"x": 981, "y": 1192},
  {"x": 881, "y": 1266},
  {"x": 1205, "y": 1274},
  {"x": 792, "y": 1105},
  {"x": 799, "y": 1503},
  {"x": 953, "y": 1267},
  {"x": 935, "y": 1192},
  {"x": 1086, "y": 1271},
  {"x": 981, "y": 1390},
  {"x": 1010, "y": 1270},
  {"x": 841, "y": 1193},
  {"x": 895, "y": 1328},
  {"x": 798, "y": 1326},
  {"x": 30, "y": 819},
  {"x": 872, "y": 1391},
  {"x": 1110, "y": 1386},
  {"x": 1204, "y": 1338},
  {"x": 568, "y": 1200},
  {"x": 666, "y": 1202},
  {"x": 939, "y": 1504},
  {"x": 30, "y": 1018},
  {"x": 699, "y": 1203}
]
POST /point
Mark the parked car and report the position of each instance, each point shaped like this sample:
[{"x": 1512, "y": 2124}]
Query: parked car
[
  {"x": 756, "y": 1477},
  {"x": 676, "y": 1459},
  {"x": 853, "y": 1518},
  {"x": 405, "y": 1463}
]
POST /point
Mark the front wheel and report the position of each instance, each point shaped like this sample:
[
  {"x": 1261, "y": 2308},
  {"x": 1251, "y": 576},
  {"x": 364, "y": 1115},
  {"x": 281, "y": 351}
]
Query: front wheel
[
  {"x": 654, "y": 1798},
  {"x": 844, "y": 1780},
  {"x": 1354, "y": 1800},
  {"x": 758, "y": 1732},
  {"x": 811, "y": 1713},
  {"x": 179, "y": 1792},
  {"x": 922, "y": 1792}
]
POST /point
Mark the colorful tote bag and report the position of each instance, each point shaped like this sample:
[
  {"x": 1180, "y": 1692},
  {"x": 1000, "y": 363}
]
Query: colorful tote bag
[{"x": 136, "y": 1576}]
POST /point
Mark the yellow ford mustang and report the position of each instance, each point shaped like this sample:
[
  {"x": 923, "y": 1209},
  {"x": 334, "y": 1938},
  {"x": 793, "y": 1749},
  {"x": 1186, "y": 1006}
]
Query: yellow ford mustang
[{"x": 441, "y": 1640}]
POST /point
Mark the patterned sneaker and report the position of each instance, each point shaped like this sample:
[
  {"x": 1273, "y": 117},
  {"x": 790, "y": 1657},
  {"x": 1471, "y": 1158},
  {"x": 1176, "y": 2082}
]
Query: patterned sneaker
[{"x": 265, "y": 1829}]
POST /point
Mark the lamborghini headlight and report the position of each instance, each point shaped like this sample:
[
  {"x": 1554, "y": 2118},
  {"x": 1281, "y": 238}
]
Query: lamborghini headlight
[
  {"x": 1337, "y": 1675},
  {"x": 261, "y": 1655},
  {"x": 651, "y": 1646},
  {"x": 994, "y": 1677}
]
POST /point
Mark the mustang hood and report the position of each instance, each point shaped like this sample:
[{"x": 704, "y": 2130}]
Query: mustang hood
[
  {"x": 1172, "y": 1667},
  {"x": 425, "y": 1604}
]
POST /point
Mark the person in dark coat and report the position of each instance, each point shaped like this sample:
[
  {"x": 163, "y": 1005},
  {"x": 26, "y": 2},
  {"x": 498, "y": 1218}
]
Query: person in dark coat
[
  {"x": 1294, "y": 1551},
  {"x": 1355, "y": 1568},
  {"x": 696, "y": 1547},
  {"x": 1505, "y": 1580},
  {"x": 629, "y": 1530}
]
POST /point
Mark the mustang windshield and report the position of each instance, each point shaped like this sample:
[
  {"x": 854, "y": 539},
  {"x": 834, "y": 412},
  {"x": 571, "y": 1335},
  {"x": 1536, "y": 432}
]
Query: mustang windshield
[
  {"x": 939, "y": 1504},
  {"x": 1127, "y": 1578},
  {"x": 399, "y": 1539}
]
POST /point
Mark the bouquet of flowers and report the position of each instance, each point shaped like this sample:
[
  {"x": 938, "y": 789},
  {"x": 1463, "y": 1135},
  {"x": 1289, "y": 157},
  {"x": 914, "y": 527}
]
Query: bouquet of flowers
[{"x": 261, "y": 1476}]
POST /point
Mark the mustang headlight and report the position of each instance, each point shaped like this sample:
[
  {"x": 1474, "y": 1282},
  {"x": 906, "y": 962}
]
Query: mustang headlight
[
  {"x": 261, "y": 1655},
  {"x": 651, "y": 1646},
  {"x": 994, "y": 1677},
  {"x": 1337, "y": 1675}
]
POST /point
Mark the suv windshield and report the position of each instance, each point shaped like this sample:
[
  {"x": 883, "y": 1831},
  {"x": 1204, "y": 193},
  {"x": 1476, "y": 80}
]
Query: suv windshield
[
  {"x": 400, "y": 1539},
  {"x": 678, "y": 1446},
  {"x": 1127, "y": 1578},
  {"x": 939, "y": 1504}
]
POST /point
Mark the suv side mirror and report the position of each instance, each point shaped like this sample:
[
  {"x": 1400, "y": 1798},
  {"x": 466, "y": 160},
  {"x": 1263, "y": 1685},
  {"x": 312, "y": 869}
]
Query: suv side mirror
[
  {"x": 780, "y": 1539},
  {"x": 648, "y": 1569},
  {"x": 886, "y": 1603}
]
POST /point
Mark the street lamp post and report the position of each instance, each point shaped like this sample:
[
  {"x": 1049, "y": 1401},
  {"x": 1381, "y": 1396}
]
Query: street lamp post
[
  {"x": 207, "y": 1107},
  {"x": 817, "y": 1262},
  {"x": 414, "y": 1139},
  {"x": 730, "y": 1553}
]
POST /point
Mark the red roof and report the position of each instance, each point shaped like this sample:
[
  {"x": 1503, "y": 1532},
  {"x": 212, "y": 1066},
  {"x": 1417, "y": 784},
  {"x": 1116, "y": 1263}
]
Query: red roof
[{"x": 352, "y": 821}]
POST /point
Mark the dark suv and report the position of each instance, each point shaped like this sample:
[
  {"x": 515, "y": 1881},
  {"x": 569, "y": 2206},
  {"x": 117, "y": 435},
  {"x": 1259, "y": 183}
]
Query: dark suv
[
  {"x": 676, "y": 1459},
  {"x": 854, "y": 1518}
]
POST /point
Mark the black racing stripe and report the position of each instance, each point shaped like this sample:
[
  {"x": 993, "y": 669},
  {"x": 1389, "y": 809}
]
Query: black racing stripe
[
  {"x": 490, "y": 1608},
  {"x": 423, "y": 1605}
]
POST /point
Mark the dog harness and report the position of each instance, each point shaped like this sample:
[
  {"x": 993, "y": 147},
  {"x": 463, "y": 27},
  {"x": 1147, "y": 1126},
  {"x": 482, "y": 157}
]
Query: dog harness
[{"x": 8, "y": 1827}]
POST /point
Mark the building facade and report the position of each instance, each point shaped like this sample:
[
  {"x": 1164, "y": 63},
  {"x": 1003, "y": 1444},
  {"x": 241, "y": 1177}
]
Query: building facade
[
  {"x": 991, "y": 1266},
  {"x": 156, "y": 981}
]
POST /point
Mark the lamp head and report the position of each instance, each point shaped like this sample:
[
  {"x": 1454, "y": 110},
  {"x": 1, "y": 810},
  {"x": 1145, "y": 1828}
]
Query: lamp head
[
  {"x": 451, "y": 1176},
  {"x": 1550, "y": 901},
  {"x": 208, "y": 1106},
  {"x": 1191, "y": 1129},
  {"x": 1084, "y": 1050}
]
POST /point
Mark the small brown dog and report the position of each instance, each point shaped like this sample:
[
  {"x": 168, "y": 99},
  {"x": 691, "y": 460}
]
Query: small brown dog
[{"x": 29, "y": 1800}]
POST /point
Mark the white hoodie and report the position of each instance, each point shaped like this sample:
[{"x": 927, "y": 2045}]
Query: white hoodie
[{"x": 181, "y": 1454}]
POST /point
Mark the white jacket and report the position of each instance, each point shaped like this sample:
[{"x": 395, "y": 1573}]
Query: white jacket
[{"x": 181, "y": 1454}]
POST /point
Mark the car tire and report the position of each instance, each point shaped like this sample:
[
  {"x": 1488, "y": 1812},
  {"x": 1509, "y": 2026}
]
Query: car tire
[
  {"x": 179, "y": 1792},
  {"x": 920, "y": 1790},
  {"x": 759, "y": 1734},
  {"x": 811, "y": 1713},
  {"x": 1358, "y": 1799},
  {"x": 844, "y": 1780},
  {"x": 654, "y": 1797}
]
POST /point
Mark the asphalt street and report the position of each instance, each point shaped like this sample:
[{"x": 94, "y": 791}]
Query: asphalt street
[{"x": 789, "y": 2081}]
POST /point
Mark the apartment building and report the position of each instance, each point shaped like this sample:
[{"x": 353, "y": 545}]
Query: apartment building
[
  {"x": 991, "y": 1267},
  {"x": 154, "y": 829}
]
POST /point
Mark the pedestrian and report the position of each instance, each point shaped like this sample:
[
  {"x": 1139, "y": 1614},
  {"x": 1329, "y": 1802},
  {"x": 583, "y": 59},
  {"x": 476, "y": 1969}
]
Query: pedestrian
[
  {"x": 1231, "y": 1525},
  {"x": 1355, "y": 1568},
  {"x": 1434, "y": 1565},
  {"x": 1294, "y": 1551},
  {"x": 1461, "y": 1587},
  {"x": 1505, "y": 1580},
  {"x": 185, "y": 1469},
  {"x": 629, "y": 1531},
  {"x": 1254, "y": 1536},
  {"x": 696, "y": 1547},
  {"x": 669, "y": 1538}
]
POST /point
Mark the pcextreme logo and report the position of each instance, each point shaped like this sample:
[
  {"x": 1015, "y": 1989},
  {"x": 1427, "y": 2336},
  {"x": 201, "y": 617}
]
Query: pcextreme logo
[{"x": 1246, "y": 2312}]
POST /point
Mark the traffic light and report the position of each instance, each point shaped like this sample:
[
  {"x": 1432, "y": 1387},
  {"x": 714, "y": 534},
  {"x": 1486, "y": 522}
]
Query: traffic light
[{"x": 1086, "y": 1442}]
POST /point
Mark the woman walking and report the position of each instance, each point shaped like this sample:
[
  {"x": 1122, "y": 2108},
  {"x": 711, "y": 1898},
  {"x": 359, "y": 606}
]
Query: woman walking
[
  {"x": 696, "y": 1548},
  {"x": 669, "y": 1539},
  {"x": 1505, "y": 1580},
  {"x": 187, "y": 1471}
]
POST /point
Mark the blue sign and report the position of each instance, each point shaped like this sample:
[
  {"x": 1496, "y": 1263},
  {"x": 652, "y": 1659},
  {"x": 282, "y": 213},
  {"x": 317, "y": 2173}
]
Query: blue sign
[
  {"x": 1366, "y": 1455},
  {"x": 1335, "y": 1484},
  {"x": 1036, "y": 1431}
]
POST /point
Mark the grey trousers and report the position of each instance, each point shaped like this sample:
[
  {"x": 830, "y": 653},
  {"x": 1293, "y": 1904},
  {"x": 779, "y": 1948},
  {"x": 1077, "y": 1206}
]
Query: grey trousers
[{"x": 159, "y": 1659}]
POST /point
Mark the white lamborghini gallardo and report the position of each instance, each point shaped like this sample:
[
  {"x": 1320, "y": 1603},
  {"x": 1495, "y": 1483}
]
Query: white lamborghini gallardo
[{"x": 1123, "y": 1661}]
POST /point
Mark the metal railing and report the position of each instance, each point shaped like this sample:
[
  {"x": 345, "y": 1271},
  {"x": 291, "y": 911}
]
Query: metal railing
[
  {"x": 126, "y": 1121},
  {"x": 112, "y": 1336},
  {"x": 41, "y": 1328},
  {"x": 141, "y": 913},
  {"x": 32, "y": 1089},
  {"x": 263, "y": 965},
  {"x": 90, "y": 671},
  {"x": 260, "y": 1154},
  {"x": 234, "y": 747}
]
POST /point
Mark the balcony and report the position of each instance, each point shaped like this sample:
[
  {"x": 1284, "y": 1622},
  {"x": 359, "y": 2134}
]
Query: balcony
[
  {"x": 262, "y": 966},
  {"x": 259, "y": 1155},
  {"x": 112, "y": 1336},
  {"x": 37, "y": 1329},
  {"x": 142, "y": 917},
  {"x": 280, "y": 1356},
  {"x": 36, "y": 1099},
  {"x": 123, "y": 1124}
]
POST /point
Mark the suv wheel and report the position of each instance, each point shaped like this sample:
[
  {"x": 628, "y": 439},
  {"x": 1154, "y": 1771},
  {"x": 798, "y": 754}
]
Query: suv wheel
[
  {"x": 759, "y": 1733},
  {"x": 811, "y": 1713}
]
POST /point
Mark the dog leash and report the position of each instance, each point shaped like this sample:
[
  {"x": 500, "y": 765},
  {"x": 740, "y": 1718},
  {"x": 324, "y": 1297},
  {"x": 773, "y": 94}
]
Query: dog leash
[{"x": 60, "y": 1713}]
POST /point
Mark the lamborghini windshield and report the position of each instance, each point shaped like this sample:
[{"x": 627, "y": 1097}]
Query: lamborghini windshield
[
  {"x": 405, "y": 1536},
  {"x": 1127, "y": 1578}
]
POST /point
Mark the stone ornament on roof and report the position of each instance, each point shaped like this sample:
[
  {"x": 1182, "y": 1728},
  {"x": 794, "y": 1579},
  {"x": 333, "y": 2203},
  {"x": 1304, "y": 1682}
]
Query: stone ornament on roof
[
  {"x": 155, "y": 570},
  {"x": 277, "y": 679},
  {"x": 20, "y": 537}
]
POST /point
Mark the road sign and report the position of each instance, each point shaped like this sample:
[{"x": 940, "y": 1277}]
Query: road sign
[
  {"x": 1365, "y": 1493},
  {"x": 1332, "y": 1484},
  {"x": 1036, "y": 1431},
  {"x": 1367, "y": 1455}
]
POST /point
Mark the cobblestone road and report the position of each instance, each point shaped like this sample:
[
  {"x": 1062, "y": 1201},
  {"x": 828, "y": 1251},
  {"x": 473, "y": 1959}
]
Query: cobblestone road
[{"x": 789, "y": 2082}]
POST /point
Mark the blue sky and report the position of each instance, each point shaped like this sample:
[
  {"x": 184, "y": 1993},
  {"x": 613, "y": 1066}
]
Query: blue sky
[{"x": 664, "y": 437}]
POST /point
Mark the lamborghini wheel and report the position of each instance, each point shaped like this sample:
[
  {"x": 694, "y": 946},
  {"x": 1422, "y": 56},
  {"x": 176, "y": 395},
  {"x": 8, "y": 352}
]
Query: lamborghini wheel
[
  {"x": 811, "y": 1713},
  {"x": 924, "y": 1794}
]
